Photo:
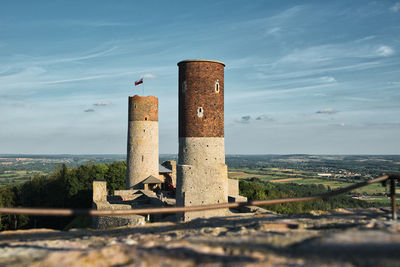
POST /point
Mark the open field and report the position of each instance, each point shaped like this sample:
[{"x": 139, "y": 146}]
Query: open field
[
  {"x": 285, "y": 180},
  {"x": 276, "y": 175},
  {"x": 16, "y": 169},
  {"x": 15, "y": 177},
  {"x": 299, "y": 169}
]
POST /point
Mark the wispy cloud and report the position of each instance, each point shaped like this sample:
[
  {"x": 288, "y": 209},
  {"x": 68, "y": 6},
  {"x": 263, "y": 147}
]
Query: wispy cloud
[
  {"x": 326, "y": 60},
  {"x": 316, "y": 70},
  {"x": 249, "y": 119},
  {"x": 279, "y": 93},
  {"x": 89, "y": 110},
  {"x": 102, "y": 103},
  {"x": 274, "y": 23},
  {"x": 330, "y": 52},
  {"x": 393, "y": 83},
  {"x": 106, "y": 49},
  {"x": 285, "y": 15},
  {"x": 244, "y": 119},
  {"x": 328, "y": 79},
  {"x": 94, "y": 23},
  {"x": 328, "y": 111},
  {"x": 395, "y": 8},
  {"x": 360, "y": 99},
  {"x": 264, "y": 118},
  {"x": 273, "y": 31},
  {"x": 369, "y": 125},
  {"x": 382, "y": 125},
  {"x": 87, "y": 78},
  {"x": 87, "y": 56}
]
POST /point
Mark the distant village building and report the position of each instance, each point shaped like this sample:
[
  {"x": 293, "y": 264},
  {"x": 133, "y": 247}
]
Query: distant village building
[{"x": 325, "y": 174}]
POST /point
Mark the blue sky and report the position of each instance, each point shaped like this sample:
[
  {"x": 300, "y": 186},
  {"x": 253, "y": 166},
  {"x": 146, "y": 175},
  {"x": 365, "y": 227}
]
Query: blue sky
[{"x": 319, "y": 77}]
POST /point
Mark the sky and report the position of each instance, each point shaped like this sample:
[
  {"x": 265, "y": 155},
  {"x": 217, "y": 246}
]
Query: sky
[{"x": 312, "y": 77}]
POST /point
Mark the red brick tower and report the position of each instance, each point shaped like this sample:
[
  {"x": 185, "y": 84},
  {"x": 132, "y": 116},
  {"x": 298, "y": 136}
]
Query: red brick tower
[{"x": 202, "y": 173}]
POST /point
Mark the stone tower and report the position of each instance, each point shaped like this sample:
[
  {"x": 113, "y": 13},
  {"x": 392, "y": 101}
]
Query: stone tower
[
  {"x": 201, "y": 173},
  {"x": 142, "y": 154}
]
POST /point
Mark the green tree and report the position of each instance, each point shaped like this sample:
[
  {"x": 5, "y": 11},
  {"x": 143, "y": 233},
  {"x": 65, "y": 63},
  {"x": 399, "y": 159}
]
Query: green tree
[{"x": 116, "y": 176}]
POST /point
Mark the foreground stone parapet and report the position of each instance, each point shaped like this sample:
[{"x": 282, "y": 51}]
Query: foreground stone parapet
[
  {"x": 106, "y": 222},
  {"x": 362, "y": 237}
]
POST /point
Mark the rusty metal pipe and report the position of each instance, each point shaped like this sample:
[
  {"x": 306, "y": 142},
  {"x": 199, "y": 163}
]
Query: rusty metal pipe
[{"x": 89, "y": 212}]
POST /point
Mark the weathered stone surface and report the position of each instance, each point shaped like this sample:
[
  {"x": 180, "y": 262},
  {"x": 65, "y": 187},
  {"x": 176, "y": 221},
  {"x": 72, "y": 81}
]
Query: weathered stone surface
[
  {"x": 340, "y": 238},
  {"x": 99, "y": 190},
  {"x": 237, "y": 198},
  {"x": 106, "y": 222},
  {"x": 233, "y": 187}
]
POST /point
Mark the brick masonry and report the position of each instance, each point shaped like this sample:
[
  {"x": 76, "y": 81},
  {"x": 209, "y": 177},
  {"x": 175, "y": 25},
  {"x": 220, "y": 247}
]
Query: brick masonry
[
  {"x": 143, "y": 108},
  {"x": 197, "y": 90}
]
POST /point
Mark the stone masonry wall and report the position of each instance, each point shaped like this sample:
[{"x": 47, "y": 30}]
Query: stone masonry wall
[{"x": 142, "y": 159}]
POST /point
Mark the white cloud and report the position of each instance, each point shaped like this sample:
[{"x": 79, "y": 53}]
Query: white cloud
[
  {"x": 149, "y": 76},
  {"x": 385, "y": 51},
  {"x": 102, "y": 103},
  {"x": 395, "y": 8},
  {"x": 328, "y": 79}
]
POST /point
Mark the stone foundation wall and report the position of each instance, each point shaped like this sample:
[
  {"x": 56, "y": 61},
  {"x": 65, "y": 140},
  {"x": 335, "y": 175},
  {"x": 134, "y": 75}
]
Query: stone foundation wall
[{"x": 202, "y": 175}]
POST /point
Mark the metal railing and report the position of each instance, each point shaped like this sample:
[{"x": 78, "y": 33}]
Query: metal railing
[{"x": 89, "y": 212}]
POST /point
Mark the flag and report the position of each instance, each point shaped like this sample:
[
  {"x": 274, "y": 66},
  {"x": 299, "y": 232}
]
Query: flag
[{"x": 139, "y": 82}]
